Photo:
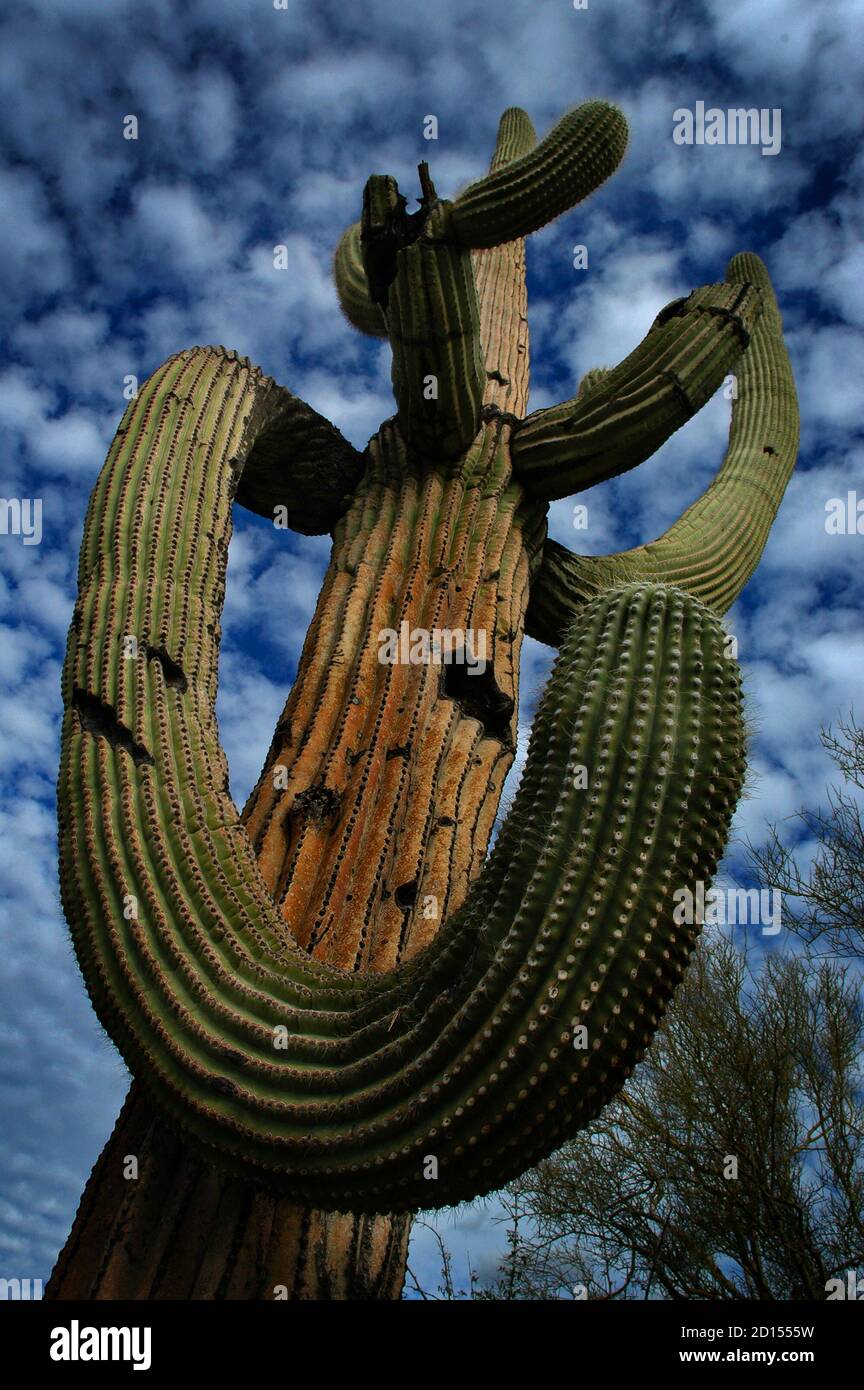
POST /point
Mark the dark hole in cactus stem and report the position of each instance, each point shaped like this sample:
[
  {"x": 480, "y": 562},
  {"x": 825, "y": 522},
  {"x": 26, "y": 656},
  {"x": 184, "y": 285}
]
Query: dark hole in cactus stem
[
  {"x": 229, "y": 1054},
  {"x": 318, "y": 804},
  {"x": 221, "y": 1083},
  {"x": 100, "y": 719},
  {"x": 173, "y": 673},
  {"x": 481, "y": 698},
  {"x": 406, "y": 894},
  {"x": 504, "y": 417}
]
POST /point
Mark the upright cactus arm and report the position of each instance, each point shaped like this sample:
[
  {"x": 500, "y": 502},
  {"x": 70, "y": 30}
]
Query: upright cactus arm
[
  {"x": 334, "y": 1087},
  {"x": 422, "y": 285},
  {"x": 714, "y": 547},
  {"x": 434, "y": 323},
  {"x": 516, "y": 138},
  {"x": 625, "y": 414}
]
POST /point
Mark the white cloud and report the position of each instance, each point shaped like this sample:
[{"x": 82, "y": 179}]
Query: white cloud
[
  {"x": 36, "y": 264},
  {"x": 829, "y": 393},
  {"x": 174, "y": 227},
  {"x": 783, "y": 49},
  {"x": 70, "y": 442}
]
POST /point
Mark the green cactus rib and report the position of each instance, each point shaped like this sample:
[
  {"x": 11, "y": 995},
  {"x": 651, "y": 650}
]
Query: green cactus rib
[
  {"x": 575, "y": 158},
  {"x": 466, "y": 1053},
  {"x": 352, "y": 287},
  {"x": 714, "y": 547},
  {"x": 631, "y": 410}
]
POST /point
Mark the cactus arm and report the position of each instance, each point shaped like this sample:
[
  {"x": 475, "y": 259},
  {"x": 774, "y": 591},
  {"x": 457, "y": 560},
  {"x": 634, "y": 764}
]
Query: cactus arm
[
  {"x": 522, "y": 194},
  {"x": 331, "y": 1086},
  {"x": 620, "y": 417},
  {"x": 714, "y": 547},
  {"x": 299, "y": 461},
  {"x": 438, "y": 373},
  {"x": 352, "y": 287},
  {"x": 516, "y": 138},
  {"x": 425, "y": 289},
  {"x": 499, "y": 273}
]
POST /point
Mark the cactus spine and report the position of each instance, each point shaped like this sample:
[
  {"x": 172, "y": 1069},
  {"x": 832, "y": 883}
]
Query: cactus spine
[{"x": 278, "y": 989}]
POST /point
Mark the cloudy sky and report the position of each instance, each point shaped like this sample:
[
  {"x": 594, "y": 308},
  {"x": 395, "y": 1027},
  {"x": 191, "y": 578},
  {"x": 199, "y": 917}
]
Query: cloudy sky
[{"x": 258, "y": 126}]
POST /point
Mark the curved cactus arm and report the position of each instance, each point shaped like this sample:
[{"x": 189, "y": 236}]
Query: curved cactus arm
[
  {"x": 622, "y": 416},
  {"x": 352, "y": 287},
  {"x": 300, "y": 462},
  {"x": 522, "y": 195},
  {"x": 714, "y": 547},
  {"x": 332, "y": 1086}
]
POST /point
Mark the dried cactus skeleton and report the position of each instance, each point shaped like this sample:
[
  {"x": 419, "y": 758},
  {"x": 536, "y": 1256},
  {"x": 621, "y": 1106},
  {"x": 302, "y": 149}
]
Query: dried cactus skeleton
[{"x": 333, "y": 989}]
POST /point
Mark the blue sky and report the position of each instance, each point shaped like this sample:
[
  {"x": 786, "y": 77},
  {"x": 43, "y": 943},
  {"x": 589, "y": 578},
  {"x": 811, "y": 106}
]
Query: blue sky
[{"x": 258, "y": 126}]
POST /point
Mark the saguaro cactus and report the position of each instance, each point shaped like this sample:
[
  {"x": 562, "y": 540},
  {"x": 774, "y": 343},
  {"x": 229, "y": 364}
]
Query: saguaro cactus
[{"x": 333, "y": 999}]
